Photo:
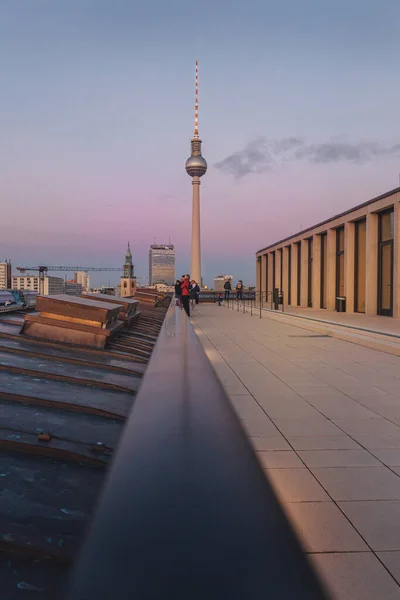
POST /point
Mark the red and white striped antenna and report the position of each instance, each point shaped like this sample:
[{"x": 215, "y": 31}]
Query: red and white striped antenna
[{"x": 196, "y": 104}]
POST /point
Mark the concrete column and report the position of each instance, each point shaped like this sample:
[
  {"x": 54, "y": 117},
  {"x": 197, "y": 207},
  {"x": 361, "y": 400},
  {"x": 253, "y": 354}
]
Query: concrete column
[
  {"x": 371, "y": 281},
  {"x": 304, "y": 274},
  {"x": 293, "y": 283},
  {"x": 258, "y": 275},
  {"x": 349, "y": 257},
  {"x": 331, "y": 269},
  {"x": 316, "y": 272},
  {"x": 264, "y": 259},
  {"x": 278, "y": 282},
  {"x": 396, "y": 259},
  {"x": 195, "y": 269},
  {"x": 285, "y": 272}
]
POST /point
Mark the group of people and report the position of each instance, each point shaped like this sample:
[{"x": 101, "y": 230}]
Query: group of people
[
  {"x": 187, "y": 293},
  {"x": 228, "y": 289}
]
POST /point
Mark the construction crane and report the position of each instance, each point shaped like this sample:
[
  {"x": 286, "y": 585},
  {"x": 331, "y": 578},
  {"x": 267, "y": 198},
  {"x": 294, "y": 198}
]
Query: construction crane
[{"x": 44, "y": 269}]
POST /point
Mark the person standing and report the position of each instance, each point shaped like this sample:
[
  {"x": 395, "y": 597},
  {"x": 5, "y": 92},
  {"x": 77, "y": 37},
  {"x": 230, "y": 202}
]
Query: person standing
[
  {"x": 227, "y": 288},
  {"x": 185, "y": 294},
  {"x": 178, "y": 292},
  {"x": 239, "y": 290},
  {"x": 194, "y": 293}
]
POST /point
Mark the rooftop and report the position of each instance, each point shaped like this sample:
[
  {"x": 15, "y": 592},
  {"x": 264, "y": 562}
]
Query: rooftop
[{"x": 62, "y": 411}]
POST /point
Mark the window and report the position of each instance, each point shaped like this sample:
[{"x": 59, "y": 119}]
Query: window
[
  {"x": 360, "y": 247},
  {"x": 290, "y": 274},
  {"x": 298, "y": 273},
  {"x": 324, "y": 269},
  {"x": 309, "y": 274},
  {"x": 340, "y": 262},
  {"x": 385, "y": 263}
]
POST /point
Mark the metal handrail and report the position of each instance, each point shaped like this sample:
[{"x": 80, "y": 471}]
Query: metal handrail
[{"x": 187, "y": 512}]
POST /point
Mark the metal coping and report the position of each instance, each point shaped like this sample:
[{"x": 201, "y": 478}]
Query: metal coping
[
  {"x": 187, "y": 511},
  {"x": 342, "y": 214}
]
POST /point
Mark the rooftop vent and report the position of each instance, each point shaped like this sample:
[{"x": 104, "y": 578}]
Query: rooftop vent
[
  {"x": 129, "y": 308},
  {"x": 80, "y": 321}
]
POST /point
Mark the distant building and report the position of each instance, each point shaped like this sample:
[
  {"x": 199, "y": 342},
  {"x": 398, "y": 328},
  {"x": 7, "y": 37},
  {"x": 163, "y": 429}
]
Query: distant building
[
  {"x": 128, "y": 281},
  {"x": 5, "y": 275},
  {"x": 72, "y": 288},
  {"x": 84, "y": 279},
  {"x": 220, "y": 280},
  {"x": 51, "y": 285},
  {"x": 161, "y": 264}
]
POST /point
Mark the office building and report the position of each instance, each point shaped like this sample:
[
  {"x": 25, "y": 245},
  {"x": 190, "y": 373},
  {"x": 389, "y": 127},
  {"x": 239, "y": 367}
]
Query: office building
[
  {"x": 5, "y": 275},
  {"x": 220, "y": 280},
  {"x": 51, "y": 285},
  {"x": 162, "y": 264},
  {"x": 350, "y": 262},
  {"x": 83, "y": 279},
  {"x": 73, "y": 288}
]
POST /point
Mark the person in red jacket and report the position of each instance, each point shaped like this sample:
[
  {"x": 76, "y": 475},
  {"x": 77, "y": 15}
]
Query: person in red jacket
[{"x": 185, "y": 294}]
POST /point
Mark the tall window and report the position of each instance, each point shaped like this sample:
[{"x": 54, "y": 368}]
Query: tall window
[
  {"x": 298, "y": 273},
  {"x": 324, "y": 269},
  {"x": 266, "y": 277},
  {"x": 290, "y": 274},
  {"x": 281, "y": 268},
  {"x": 340, "y": 262},
  {"x": 360, "y": 265},
  {"x": 309, "y": 274},
  {"x": 385, "y": 263}
]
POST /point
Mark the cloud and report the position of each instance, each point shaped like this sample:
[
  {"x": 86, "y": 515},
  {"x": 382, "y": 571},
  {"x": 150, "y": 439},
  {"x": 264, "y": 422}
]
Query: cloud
[{"x": 262, "y": 155}]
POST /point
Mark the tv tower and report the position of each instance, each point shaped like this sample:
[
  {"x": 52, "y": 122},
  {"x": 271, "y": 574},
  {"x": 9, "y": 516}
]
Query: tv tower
[{"x": 196, "y": 166}]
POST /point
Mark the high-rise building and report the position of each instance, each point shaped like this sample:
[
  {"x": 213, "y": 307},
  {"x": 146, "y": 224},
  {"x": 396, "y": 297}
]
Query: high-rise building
[
  {"x": 83, "y": 279},
  {"x": 5, "y": 275},
  {"x": 162, "y": 264},
  {"x": 128, "y": 281},
  {"x": 220, "y": 280},
  {"x": 196, "y": 167},
  {"x": 51, "y": 285}
]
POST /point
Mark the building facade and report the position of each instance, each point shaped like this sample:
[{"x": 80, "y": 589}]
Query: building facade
[
  {"x": 220, "y": 280},
  {"x": 83, "y": 279},
  {"x": 73, "y": 288},
  {"x": 51, "y": 285},
  {"x": 5, "y": 275},
  {"x": 350, "y": 262},
  {"x": 162, "y": 264}
]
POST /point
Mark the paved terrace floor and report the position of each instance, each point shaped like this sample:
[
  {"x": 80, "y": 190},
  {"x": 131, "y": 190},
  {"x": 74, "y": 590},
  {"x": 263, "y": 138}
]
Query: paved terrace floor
[
  {"x": 386, "y": 325},
  {"x": 324, "y": 417}
]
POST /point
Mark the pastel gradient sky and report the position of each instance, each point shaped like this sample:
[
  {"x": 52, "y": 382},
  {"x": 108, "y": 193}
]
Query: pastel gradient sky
[{"x": 299, "y": 116}]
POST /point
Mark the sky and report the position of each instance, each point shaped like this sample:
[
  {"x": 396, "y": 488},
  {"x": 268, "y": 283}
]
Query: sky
[{"x": 299, "y": 117}]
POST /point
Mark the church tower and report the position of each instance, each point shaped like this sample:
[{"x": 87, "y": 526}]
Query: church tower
[{"x": 128, "y": 281}]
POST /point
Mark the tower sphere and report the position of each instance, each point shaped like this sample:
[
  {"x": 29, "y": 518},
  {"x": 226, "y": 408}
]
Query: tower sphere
[{"x": 196, "y": 166}]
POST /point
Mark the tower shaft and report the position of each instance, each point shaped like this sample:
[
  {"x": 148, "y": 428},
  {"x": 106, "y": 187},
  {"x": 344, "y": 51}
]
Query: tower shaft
[{"x": 195, "y": 269}]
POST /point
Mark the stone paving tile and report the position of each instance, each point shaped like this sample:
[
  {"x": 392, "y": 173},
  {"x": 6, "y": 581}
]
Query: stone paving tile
[
  {"x": 285, "y": 459},
  {"x": 391, "y": 560},
  {"x": 359, "y": 483},
  {"x": 377, "y": 522},
  {"x": 257, "y": 427},
  {"x": 305, "y": 427},
  {"x": 338, "y": 458},
  {"x": 322, "y": 527},
  {"x": 391, "y": 458},
  {"x": 296, "y": 485},
  {"x": 329, "y": 442},
  {"x": 356, "y": 576},
  {"x": 261, "y": 443}
]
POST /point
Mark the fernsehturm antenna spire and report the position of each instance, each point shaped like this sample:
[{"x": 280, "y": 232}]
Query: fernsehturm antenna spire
[{"x": 196, "y": 166}]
